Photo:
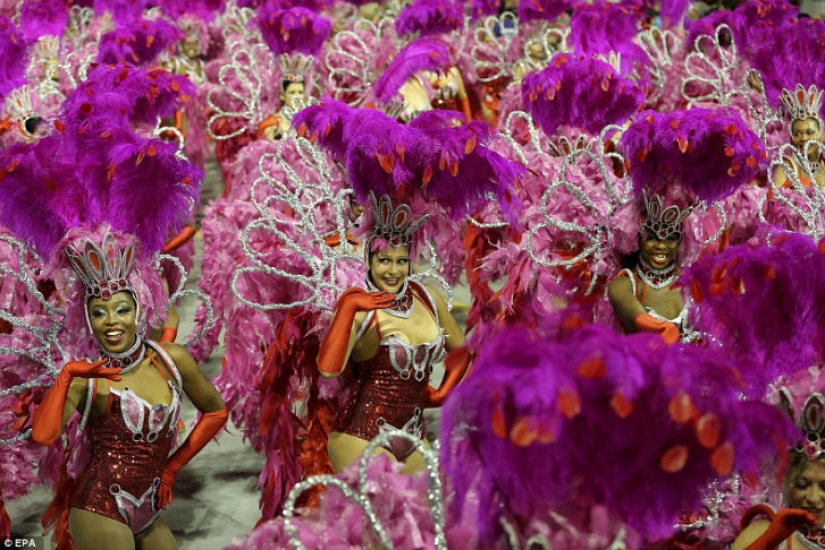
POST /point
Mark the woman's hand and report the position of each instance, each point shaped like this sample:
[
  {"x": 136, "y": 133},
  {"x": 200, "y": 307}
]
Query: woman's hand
[
  {"x": 358, "y": 299},
  {"x": 85, "y": 369}
]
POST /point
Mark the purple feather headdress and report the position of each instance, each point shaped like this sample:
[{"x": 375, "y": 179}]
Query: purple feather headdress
[
  {"x": 483, "y": 8},
  {"x": 602, "y": 28},
  {"x": 586, "y": 94},
  {"x": 95, "y": 168},
  {"x": 325, "y": 124},
  {"x": 293, "y": 30},
  {"x": 790, "y": 55},
  {"x": 708, "y": 153},
  {"x": 137, "y": 43},
  {"x": 122, "y": 11},
  {"x": 14, "y": 57},
  {"x": 424, "y": 54},
  {"x": 205, "y": 10},
  {"x": 764, "y": 301},
  {"x": 44, "y": 17},
  {"x": 430, "y": 17},
  {"x": 543, "y": 10},
  {"x": 559, "y": 420}
]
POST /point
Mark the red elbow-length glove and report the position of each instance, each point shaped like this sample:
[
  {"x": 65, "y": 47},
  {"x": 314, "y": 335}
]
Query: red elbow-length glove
[
  {"x": 48, "y": 416},
  {"x": 333, "y": 350},
  {"x": 667, "y": 330},
  {"x": 783, "y": 524},
  {"x": 203, "y": 432},
  {"x": 456, "y": 366}
]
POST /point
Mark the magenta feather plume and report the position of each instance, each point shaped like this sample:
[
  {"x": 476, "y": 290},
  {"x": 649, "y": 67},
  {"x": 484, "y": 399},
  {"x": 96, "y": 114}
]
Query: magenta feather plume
[
  {"x": 709, "y": 153},
  {"x": 543, "y": 10},
  {"x": 603, "y": 27},
  {"x": 293, "y": 30},
  {"x": 424, "y": 54},
  {"x": 561, "y": 419},
  {"x": 325, "y": 125},
  {"x": 95, "y": 168},
  {"x": 138, "y": 43},
  {"x": 672, "y": 12},
  {"x": 457, "y": 169},
  {"x": 762, "y": 17},
  {"x": 430, "y": 17},
  {"x": 764, "y": 302},
  {"x": 586, "y": 94},
  {"x": 483, "y": 8},
  {"x": 205, "y": 10},
  {"x": 44, "y": 17},
  {"x": 14, "y": 57},
  {"x": 790, "y": 55},
  {"x": 708, "y": 24},
  {"x": 122, "y": 11}
]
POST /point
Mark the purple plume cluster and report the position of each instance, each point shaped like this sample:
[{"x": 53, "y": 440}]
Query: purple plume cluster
[
  {"x": 543, "y": 10},
  {"x": 205, "y": 10},
  {"x": 138, "y": 43},
  {"x": 710, "y": 153},
  {"x": 96, "y": 167},
  {"x": 293, "y": 30},
  {"x": 14, "y": 57},
  {"x": 586, "y": 94},
  {"x": 565, "y": 419},
  {"x": 438, "y": 156},
  {"x": 44, "y": 17},
  {"x": 424, "y": 54},
  {"x": 430, "y": 17},
  {"x": 765, "y": 300}
]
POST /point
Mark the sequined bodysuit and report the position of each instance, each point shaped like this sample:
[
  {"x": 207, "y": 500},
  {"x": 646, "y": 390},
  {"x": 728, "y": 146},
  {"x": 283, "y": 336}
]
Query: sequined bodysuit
[
  {"x": 130, "y": 446},
  {"x": 390, "y": 387}
]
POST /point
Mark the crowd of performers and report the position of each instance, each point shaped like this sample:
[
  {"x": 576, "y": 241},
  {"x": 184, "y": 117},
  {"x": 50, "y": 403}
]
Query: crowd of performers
[{"x": 631, "y": 191}]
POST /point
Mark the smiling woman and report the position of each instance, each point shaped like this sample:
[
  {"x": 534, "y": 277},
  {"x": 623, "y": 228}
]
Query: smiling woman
[
  {"x": 643, "y": 297},
  {"x": 393, "y": 331}
]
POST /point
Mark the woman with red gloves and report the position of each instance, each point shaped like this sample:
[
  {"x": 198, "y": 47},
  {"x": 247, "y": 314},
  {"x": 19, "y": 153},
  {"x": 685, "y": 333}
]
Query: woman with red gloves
[{"x": 393, "y": 332}]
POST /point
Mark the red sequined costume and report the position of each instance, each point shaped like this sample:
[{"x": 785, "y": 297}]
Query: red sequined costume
[
  {"x": 130, "y": 446},
  {"x": 390, "y": 387}
]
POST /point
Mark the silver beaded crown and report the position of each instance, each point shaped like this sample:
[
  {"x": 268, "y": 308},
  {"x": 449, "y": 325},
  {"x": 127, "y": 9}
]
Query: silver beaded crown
[
  {"x": 811, "y": 421},
  {"x": 801, "y": 103},
  {"x": 664, "y": 222},
  {"x": 393, "y": 225},
  {"x": 295, "y": 66},
  {"x": 103, "y": 269}
]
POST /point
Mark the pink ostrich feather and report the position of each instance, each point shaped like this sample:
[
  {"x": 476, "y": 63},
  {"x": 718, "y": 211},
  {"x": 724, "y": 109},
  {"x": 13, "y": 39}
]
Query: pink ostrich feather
[
  {"x": 430, "y": 17},
  {"x": 293, "y": 30}
]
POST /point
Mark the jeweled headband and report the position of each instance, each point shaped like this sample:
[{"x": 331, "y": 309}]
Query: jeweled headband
[
  {"x": 393, "y": 225},
  {"x": 802, "y": 104},
  {"x": 664, "y": 222},
  {"x": 103, "y": 270},
  {"x": 810, "y": 420}
]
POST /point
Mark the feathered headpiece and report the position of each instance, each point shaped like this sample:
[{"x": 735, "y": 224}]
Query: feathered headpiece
[
  {"x": 44, "y": 17},
  {"x": 138, "y": 43},
  {"x": 586, "y": 94},
  {"x": 789, "y": 56},
  {"x": 543, "y": 10},
  {"x": 547, "y": 403},
  {"x": 803, "y": 104},
  {"x": 424, "y": 54},
  {"x": 122, "y": 11},
  {"x": 708, "y": 153},
  {"x": 765, "y": 301},
  {"x": 205, "y": 10},
  {"x": 295, "y": 36},
  {"x": 393, "y": 226},
  {"x": 810, "y": 419},
  {"x": 14, "y": 57},
  {"x": 602, "y": 27},
  {"x": 430, "y": 17}
]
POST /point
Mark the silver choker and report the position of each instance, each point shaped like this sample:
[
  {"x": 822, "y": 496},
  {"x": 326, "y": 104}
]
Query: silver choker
[
  {"x": 126, "y": 360},
  {"x": 656, "y": 278}
]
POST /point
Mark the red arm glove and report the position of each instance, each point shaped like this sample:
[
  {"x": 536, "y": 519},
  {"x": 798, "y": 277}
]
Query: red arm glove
[
  {"x": 455, "y": 367},
  {"x": 180, "y": 239},
  {"x": 48, "y": 416},
  {"x": 783, "y": 525},
  {"x": 333, "y": 352},
  {"x": 206, "y": 428},
  {"x": 168, "y": 335},
  {"x": 667, "y": 330}
]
